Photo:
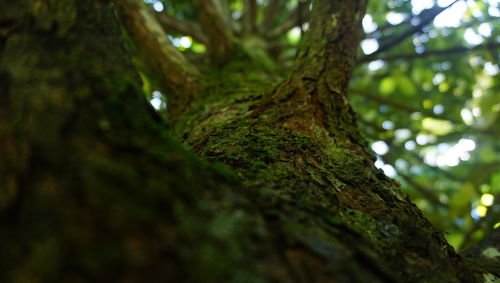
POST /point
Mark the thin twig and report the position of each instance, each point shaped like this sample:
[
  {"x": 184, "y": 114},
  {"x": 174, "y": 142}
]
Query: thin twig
[
  {"x": 429, "y": 195},
  {"x": 216, "y": 25},
  {"x": 400, "y": 106},
  {"x": 425, "y": 19},
  {"x": 449, "y": 51}
]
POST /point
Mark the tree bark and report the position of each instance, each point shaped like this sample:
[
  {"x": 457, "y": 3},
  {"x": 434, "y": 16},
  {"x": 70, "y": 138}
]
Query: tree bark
[
  {"x": 95, "y": 189},
  {"x": 272, "y": 12},
  {"x": 180, "y": 78},
  {"x": 250, "y": 16},
  {"x": 173, "y": 25},
  {"x": 216, "y": 25}
]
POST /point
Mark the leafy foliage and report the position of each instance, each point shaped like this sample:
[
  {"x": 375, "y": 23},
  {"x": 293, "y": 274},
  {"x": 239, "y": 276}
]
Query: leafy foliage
[{"x": 433, "y": 100}]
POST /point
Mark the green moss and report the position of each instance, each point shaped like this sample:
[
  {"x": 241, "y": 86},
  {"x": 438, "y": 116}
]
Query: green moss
[
  {"x": 253, "y": 149},
  {"x": 231, "y": 92}
]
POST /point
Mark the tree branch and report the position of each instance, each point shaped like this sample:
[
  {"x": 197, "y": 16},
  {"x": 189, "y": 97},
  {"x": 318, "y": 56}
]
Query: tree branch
[
  {"x": 400, "y": 106},
  {"x": 294, "y": 18},
  {"x": 449, "y": 51},
  {"x": 428, "y": 194},
  {"x": 425, "y": 19},
  {"x": 216, "y": 25},
  {"x": 250, "y": 16},
  {"x": 416, "y": 17},
  {"x": 485, "y": 262},
  {"x": 315, "y": 93},
  {"x": 486, "y": 223},
  {"x": 398, "y": 149},
  {"x": 173, "y": 25},
  {"x": 271, "y": 13},
  {"x": 372, "y": 125},
  {"x": 179, "y": 76}
]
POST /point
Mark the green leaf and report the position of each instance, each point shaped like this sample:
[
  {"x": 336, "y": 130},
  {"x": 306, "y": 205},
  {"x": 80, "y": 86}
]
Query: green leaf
[
  {"x": 406, "y": 86},
  {"x": 387, "y": 86}
]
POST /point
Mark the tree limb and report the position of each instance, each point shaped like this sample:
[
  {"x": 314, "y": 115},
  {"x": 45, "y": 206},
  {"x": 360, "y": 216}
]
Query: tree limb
[
  {"x": 271, "y": 13},
  {"x": 486, "y": 223},
  {"x": 398, "y": 149},
  {"x": 425, "y": 19},
  {"x": 216, "y": 25},
  {"x": 449, "y": 51},
  {"x": 250, "y": 16},
  {"x": 372, "y": 125},
  {"x": 478, "y": 254},
  {"x": 428, "y": 194},
  {"x": 381, "y": 29},
  {"x": 400, "y": 106},
  {"x": 294, "y": 18},
  {"x": 179, "y": 76},
  {"x": 173, "y": 25},
  {"x": 315, "y": 92}
]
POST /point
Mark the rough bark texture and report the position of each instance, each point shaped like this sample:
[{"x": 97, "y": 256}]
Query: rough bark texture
[{"x": 94, "y": 189}]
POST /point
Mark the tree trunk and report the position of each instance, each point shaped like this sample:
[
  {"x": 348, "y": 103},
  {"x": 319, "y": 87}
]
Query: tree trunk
[{"x": 95, "y": 189}]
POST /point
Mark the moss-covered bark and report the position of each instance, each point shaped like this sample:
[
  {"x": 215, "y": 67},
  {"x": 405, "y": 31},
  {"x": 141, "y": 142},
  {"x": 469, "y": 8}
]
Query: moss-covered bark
[
  {"x": 93, "y": 188},
  {"x": 178, "y": 76},
  {"x": 325, "y": 204}
]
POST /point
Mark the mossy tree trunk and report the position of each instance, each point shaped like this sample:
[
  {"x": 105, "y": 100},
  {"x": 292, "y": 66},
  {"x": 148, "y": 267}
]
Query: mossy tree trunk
[{"x": 95, "y": 188}]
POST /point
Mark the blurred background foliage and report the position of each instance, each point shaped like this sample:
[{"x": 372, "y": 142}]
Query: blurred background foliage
[
  {"x": 429, "y": 105},
  {"x": 426, "y": 90}
]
